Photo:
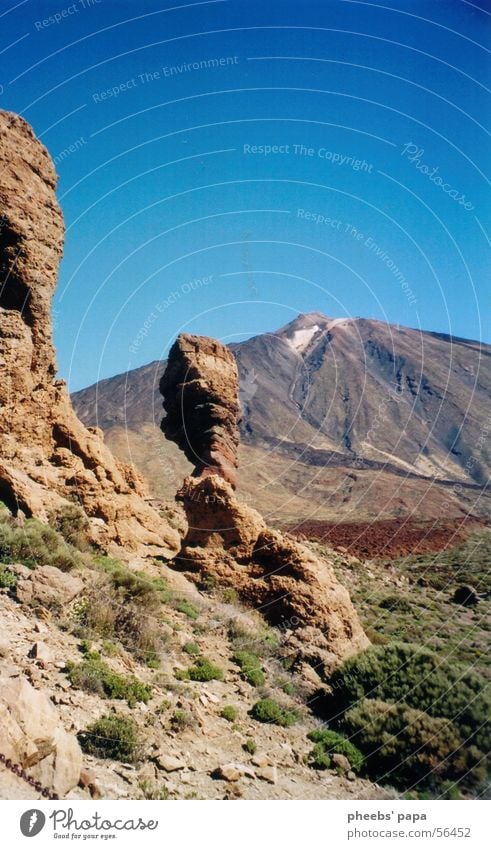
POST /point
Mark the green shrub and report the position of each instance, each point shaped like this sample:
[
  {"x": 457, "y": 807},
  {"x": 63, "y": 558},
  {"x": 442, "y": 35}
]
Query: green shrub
[
  {"x": 396, "y": 602},
  {"x": 318, "y": 757},
  {"x": 329, "y": 743},
  {"x": 181, "y": 719},
  {"x": 262, "y": 643},
  {"x": 95, "y": 676},
  {"x": 268, "y": 641},
  {"x": 267, "y": 710},
  {"x": 125, "y": 605},
  {"x": 109, "y": 649},
  {"x": 229, "y": 595},
  {"x": 185, "y": 606},
  {"x": 229, "y": 713},
  {"x": 8, "y": 581},
  {"x": 153, "y": 791},
  {"x": 419, "y": 678},
  {"x": 249, "y": 746},
  {"x": 250, "y": 666},
  {"x": 191, "y": 649},
  {"x": 406, "y": 745},
  {"x": 73, "y": 525},
  {"x": 36, "y": 544},
  {"x": 112, "y": 736},
  {"x": 203, "y": 670}
]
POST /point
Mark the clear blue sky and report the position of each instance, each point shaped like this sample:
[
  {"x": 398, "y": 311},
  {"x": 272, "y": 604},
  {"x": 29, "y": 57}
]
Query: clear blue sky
[{"x": 162, "y": 182}]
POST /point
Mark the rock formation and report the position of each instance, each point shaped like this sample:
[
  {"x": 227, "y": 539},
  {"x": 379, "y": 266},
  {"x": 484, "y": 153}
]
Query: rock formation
[
  {"x": 32, "y": 735},
  {"x": 230, "y": 542},
  {"x": 200, "y": 399},
  {"x": 47, "y": 457}
]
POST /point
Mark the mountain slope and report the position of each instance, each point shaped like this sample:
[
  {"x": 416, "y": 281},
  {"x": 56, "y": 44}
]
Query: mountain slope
[{"x": 349, "y": 416}]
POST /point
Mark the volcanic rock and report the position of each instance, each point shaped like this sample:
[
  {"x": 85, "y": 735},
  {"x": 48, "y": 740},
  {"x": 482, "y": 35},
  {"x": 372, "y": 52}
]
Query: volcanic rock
[
  {"x": 202, "y": 405},
  {"x": 47, "y": 457},
  {"x": 48, "y": 586},
  {"x": 31, "y": 734},
  {"x": 229, "y": 541},
  {"x": 467, "y": 595}
]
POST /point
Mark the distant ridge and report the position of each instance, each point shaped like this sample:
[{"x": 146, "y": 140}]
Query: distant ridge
[{"x": 340, "y": 416}]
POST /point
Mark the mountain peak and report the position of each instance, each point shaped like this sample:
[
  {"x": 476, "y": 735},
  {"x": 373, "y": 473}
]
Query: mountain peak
[{"x": 306, "y": 327}]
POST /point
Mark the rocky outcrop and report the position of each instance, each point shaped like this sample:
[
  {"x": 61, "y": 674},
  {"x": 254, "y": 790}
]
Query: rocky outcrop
[
  {"x": 229, "y": 541},
  {"x": 32, "y": 735},
  {"x": 47, "y": 457},
  {"x": 200, "y": 399},
  {"x": 46, "y": 586}
]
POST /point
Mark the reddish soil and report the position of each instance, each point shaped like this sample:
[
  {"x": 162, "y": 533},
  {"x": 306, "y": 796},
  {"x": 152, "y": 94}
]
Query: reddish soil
[{"x": 389, "y": 538}]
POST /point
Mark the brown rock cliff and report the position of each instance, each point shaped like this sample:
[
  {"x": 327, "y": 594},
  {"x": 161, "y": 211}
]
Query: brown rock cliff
[
  {"x": 47, "y": 457},
  {"x": 200, "y": 399}
]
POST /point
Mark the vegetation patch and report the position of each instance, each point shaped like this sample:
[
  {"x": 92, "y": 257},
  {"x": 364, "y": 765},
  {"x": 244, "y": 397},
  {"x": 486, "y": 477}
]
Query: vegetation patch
[
  {"x": 405, "y": 746},
  {"x": 95, "y": 676},
  {"x": 396, "y": 602},
  {"x": 125, "y": 606},
  {"x": 181, "y": 719},
  {"x": 420, "y": 679},
  {"x": 229, "y": 713},
  {"x": 112, "y": 736},
  {"x": 268, "y": 710},
  {"x": 328, "y": 743},
  {"x": 250, "y": 667},
  {"x": 8, "y": 581},
  {"x": 202, "y": 670},
  {"x": 73, "y": 525},
  {"x": 36, "y": 544},
  {"x": 185, "y": 606}
]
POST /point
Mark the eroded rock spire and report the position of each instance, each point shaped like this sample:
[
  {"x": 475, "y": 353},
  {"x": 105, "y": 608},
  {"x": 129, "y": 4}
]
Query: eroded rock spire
[
  {"x": 47, "y": 457},
  {"x": 200, "y": 398},
  {"x": 229, "y": 541}
]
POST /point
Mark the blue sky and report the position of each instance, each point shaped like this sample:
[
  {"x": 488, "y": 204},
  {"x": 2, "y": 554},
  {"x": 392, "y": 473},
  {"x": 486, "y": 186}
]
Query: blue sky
[{"x": 226, "y": 165}]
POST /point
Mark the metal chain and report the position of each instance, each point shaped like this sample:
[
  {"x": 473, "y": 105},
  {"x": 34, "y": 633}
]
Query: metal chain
[{"x": 18, "y": 770}]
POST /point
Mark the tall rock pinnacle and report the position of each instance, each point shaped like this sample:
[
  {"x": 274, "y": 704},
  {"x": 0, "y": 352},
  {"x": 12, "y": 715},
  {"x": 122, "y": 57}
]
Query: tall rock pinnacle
[
  {"x": 47, "y": 457},
  {"x": 200, "y": 398},
  {"x": 230, "y": 542}
]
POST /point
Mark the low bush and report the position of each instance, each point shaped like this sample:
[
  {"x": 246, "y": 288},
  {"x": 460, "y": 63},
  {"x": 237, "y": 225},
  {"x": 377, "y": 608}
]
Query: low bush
[
  {"x": 125, "y": 605},
  {"x": 229, "y": 713},
  {"x": 191, "y": 649},
  {"x": 420, "y": 679},
  {"x": 318, "y": 758},
  {"x": 267, "y": 710},
  {"x": 329, "y": 743},
  {"x": 150, "y": 790},
  {"x": 249, "y": 746},
  {"x": 186, "y": 607},
  {"x": 405, "y": 746},
  {"x": 8, "y": 581},
  {"x": 181, "y": 719},
  {"x": 396, "y": 602},
  {"x": 95, "y": 676},
  {"x": 202, "y": 670},
  {"x": 112, "y": 736},
  {"x": 72, "y": 523},
  {"x": 36, "y": 544},
  {"x": 250, "y": 666}
]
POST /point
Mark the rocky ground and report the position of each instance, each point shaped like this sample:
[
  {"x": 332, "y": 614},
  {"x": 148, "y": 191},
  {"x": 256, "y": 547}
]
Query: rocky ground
[{"x": 198, "y": 756}]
